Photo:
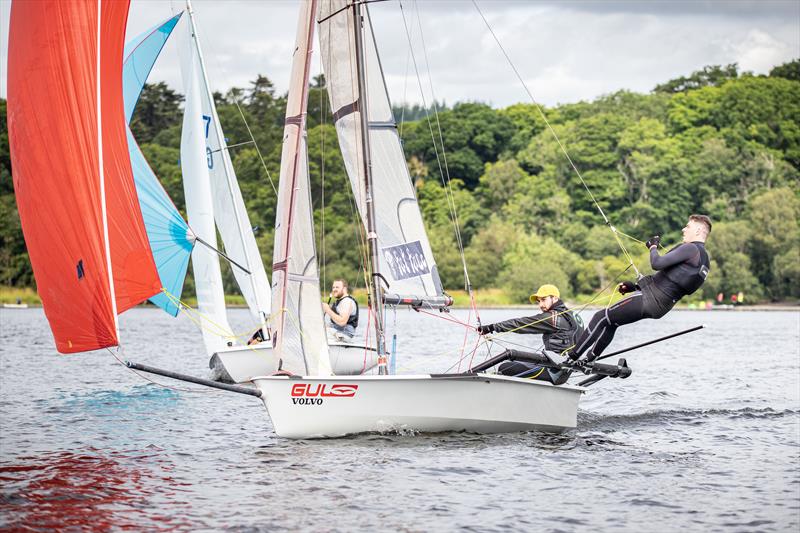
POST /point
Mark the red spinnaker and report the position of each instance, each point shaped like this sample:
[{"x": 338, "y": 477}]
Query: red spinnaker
[
  {"x": 135, "y": 274},
  {"x": 56, "y": 166}
]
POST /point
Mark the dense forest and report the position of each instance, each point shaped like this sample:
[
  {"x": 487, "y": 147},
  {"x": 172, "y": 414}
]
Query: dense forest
[{"x": 718, "y": 142}]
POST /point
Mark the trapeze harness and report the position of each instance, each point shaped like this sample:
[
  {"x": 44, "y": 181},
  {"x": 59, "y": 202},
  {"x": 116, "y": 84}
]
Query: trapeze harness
[
  {"x": 349, "y": 328},
  {"x": 560, "y": 331},
  {"x": 681, "y": 271}
]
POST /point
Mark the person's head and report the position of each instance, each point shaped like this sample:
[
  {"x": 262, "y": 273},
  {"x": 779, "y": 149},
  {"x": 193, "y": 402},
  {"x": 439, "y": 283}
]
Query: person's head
[
  {"x": 547, "y": 296},
  {"x": 339, "y": 288},
  {"x": 697, "y": 229}
]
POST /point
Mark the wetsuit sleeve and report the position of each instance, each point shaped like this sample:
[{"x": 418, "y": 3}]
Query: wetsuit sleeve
[
  {"x": 541, "y": 323},
  {"x": 677, "y": 255}
]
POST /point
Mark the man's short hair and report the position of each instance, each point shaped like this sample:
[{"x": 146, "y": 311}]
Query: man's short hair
[
  {"x": 343, "y": 282},
  {"x": 705, "y": 220}
]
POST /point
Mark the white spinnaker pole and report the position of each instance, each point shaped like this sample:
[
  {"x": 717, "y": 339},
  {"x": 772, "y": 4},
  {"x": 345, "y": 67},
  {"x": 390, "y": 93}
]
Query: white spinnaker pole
[{"x": 263, "y": 302}]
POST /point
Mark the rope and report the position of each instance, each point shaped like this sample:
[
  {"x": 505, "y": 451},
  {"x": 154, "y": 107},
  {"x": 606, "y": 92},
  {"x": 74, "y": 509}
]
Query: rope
[
  {"x": 198, "y": 317},
  {"x": 557, "y": 139},
  {"x": 220, "y": 68},
  {"x": 498, "y": 338},
  {"x": 464, "y": 343},
  {"x": 322, "y": 107},
  {"x": 144, "y": 377},
  {"x": 444, "y": 173}
]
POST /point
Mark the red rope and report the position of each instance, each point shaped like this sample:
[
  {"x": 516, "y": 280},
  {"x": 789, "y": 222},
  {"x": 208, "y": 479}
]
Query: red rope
[
  {"x": 449, "y": 319},
  {"x": 474, "y": 349},
  {"x": 366, "y": 339},
  {"x": 464, "y": 344}
]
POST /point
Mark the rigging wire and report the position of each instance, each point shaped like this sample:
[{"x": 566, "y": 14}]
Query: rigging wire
[
  {"x": 146, "y": 378},
  {"x": 444, "y": 172},
  {"x": 498, "y": 338},
  {"x": 222, "y": 69},
  {"x": 557, "y": 139},
  {"x": 322, "y": 108}
]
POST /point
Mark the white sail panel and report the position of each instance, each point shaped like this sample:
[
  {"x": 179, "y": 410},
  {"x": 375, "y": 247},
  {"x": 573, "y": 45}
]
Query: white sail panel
[
  {"x": 298, "y": 327},
  {"x": 230, "y": 213},
  {"x": 337, "y": 51},
  {"x": 199, "y": 207},
  {"x": 405, "y": 255}
]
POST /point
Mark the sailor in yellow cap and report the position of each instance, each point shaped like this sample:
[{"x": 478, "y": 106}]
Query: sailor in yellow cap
[{"x": 559, "y": 327}]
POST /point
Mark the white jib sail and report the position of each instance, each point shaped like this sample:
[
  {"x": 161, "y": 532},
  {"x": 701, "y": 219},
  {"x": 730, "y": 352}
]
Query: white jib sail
[
  {"x": 406, "y": 258},
  {"x": 230, "y": 213},
  {"x": 199, "y": 207},
  {"x": 300, "y": 339}
]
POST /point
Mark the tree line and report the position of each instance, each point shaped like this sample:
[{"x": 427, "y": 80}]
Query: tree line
[{"x": 718, "y": 141}]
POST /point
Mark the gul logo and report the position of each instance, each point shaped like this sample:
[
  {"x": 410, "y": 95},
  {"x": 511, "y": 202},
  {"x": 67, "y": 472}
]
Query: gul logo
[{"x": 313, "y": 394}]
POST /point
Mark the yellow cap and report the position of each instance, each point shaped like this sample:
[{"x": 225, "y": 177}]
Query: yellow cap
[{"x": 545, "y": 290}]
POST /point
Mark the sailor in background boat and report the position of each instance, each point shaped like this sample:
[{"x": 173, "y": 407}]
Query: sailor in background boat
[
  {"x": 343, "y": 314},
  {"x": 680, "y": 271},
  {"x": 559, "y": 327}
]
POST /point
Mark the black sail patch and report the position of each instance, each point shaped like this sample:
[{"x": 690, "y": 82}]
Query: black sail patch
[{"x": 406, "y": 260}]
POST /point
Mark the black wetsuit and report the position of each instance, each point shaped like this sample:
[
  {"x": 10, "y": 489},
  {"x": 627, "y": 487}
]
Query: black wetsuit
[
  {"x": 559, "y": 328},
  {"x": 680, "y": 271}
]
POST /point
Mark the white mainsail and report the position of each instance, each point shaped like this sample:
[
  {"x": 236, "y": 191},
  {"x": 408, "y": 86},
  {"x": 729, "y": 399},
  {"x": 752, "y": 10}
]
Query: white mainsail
[
  {"x": 199, "y": 206},
  {"x": 300, "y": 339},
  {"x": 230, "y": 213},
  {"x": 405, "y": 255}
]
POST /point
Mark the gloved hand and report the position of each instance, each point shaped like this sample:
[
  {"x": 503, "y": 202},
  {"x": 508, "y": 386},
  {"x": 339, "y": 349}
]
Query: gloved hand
[
  {"x": 573, "y": 363},
  {"x": 626, "y": 286},
  {"x": 655, "y": 240},
  {"x": 486, "y": 329}
]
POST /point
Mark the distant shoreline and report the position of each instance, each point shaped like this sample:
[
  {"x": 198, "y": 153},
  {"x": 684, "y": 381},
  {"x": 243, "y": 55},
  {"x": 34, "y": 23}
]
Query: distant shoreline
[
  {"x": 758, "y": 307},
  {"x": 489, "y": 299}
]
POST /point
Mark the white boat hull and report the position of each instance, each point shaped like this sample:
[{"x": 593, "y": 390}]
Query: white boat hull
[
  {"x": 310, "y": 407},
  {"x": 239, "y": 364}
]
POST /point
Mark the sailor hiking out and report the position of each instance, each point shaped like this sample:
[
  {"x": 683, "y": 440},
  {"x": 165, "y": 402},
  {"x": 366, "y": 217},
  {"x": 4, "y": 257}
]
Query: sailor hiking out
[
  {"x": 560, "y": 328},
  {"x": 679, "y": 272}
]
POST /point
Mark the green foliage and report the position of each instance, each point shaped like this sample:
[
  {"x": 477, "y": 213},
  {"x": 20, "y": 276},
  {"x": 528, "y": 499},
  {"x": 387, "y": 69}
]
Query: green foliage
[
  {"x": 532, "y": 261},
  {"x": 158, "y": 109},
  {"x": 412, "y": 112},
  {"x": 471, "y": 133},
  {"x": 713, "y": 142},
  {"x": 789, "y": 71},
  {"x": 711, "y": 75}
]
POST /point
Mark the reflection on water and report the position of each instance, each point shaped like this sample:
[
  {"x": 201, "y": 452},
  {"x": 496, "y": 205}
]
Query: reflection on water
[
  {"x": 705, "y": 435},
  {"x": 90, "y": 490}
]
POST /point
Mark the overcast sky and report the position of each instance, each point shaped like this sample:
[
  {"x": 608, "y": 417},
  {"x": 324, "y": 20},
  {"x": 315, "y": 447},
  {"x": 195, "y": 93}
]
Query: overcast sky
[{"x": 566, "y": 51}]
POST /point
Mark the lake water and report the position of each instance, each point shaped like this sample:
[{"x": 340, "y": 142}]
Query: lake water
[{"x": 704, "y": 436}]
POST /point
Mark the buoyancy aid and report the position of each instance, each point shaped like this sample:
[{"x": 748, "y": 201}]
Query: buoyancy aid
[
  {"x": 564, "y": 338},
  {"x": 352, "y": 320}
]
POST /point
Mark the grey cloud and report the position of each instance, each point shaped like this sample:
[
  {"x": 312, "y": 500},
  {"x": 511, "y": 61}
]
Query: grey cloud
[{"x": 566, "y": 51}]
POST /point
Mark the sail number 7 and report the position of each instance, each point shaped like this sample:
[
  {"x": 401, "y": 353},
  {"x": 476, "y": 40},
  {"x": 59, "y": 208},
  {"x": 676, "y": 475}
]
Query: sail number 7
[{"x": 209, "y": 153}]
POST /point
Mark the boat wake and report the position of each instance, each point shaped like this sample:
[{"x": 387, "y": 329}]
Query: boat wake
[{"x": 594, "y": 421}]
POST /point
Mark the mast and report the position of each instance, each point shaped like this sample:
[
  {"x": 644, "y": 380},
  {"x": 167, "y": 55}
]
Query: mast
[
  {"x": 376, "y": 291},
  {"x": 298, "y": 121},
  {"x": 223, "y": 154}
]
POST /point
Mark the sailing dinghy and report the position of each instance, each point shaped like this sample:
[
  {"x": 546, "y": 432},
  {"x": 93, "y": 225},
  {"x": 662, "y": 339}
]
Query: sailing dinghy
[{"x": 310, "y": 402}]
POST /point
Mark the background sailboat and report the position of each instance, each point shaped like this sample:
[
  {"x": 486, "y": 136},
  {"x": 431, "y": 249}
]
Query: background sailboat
[
  {"x": 214, "y": 202},
  {"x": 171, "y": 240}
]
